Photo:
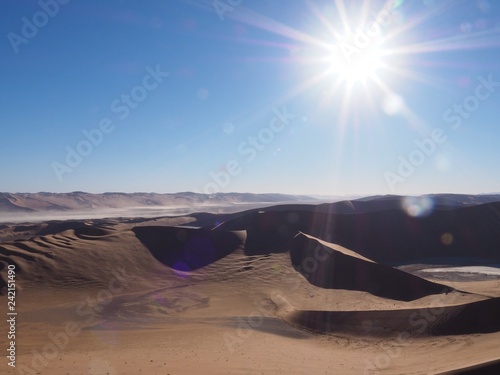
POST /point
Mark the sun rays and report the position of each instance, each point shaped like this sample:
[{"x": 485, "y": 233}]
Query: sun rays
[
  {"x": 365, "y": 72},
  {"x": 362, "y": 52}
]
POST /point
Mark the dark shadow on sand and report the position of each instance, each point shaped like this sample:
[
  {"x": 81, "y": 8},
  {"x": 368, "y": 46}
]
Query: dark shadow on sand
[
  {"x": 187, "y": 249},
  {"x": 474, "y": 317},
  {"x": 275, "y": 326},
  {"x": 332, "y": 269}
]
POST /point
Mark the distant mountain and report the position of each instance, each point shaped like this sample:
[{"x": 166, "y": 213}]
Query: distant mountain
[
  {"x": 9, "y": 205},
  {"x": 81, "y": 201}
]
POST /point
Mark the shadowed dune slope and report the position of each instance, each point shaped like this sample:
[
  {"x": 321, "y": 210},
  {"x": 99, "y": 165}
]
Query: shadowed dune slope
[
  {"x": 488, "y": 368},
  {"x": 388, "y": 236},
  {"x": 335, "y": 268},
  {"x": 474, "y": 317},
  {"x": 186, "y": 249},
  {"x": 267, "y": 231},
  {"x": 57, "y": 226}
]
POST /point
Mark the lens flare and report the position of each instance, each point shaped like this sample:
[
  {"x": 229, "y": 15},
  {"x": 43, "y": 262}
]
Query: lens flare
[
  {"x": 418, "y": 206},
  {"x": 447, "y": 239}
]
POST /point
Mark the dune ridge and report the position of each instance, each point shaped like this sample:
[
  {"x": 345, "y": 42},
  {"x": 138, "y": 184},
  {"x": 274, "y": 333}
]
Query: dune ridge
[
  {"x": 389, "y": 236},
  {"x": 341, "y": 268}
]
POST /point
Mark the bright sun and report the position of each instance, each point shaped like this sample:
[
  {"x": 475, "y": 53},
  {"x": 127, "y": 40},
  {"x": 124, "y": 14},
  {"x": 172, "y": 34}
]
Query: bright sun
[{"x": 357, "y": 67}]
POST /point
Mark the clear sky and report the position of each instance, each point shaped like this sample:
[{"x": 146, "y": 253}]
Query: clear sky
[{"x": 302, "y": 97}]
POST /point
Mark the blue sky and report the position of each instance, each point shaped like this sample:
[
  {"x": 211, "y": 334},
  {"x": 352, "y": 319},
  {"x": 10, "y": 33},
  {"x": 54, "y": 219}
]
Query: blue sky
[{"x": 323, "y": 97}]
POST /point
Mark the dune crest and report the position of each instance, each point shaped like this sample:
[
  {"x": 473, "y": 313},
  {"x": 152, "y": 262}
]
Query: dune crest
[{"x": 340, "y": 268}]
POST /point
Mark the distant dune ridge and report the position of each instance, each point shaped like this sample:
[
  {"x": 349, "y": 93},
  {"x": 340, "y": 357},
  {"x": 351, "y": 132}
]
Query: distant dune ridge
[
  {"x": 79, "y": 200},
  {"x": 387, "y": 235},
  {"x": 330, "y": 268}
]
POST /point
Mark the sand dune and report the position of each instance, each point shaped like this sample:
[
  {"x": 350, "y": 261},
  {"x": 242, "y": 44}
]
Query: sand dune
[
  {"x": 488, "y": 368},
  {"x": 263, "y": 291},
  {"x": 187, "y": 249},
  {"x": 387, "y": 236},
  {"x": 470, "y": 318},
  {"x": 334, "y": 267}
]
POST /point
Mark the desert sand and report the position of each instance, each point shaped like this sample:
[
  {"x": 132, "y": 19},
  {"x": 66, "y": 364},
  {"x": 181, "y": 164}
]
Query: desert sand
[{"x": 356, "y": 287}]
